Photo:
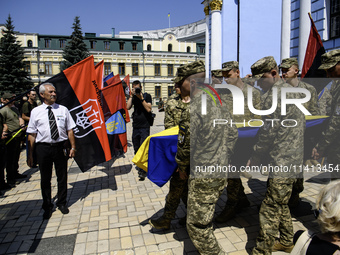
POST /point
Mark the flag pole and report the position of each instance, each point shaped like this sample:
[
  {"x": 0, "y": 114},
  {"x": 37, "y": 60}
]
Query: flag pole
[{"x": 169, "y": 18}]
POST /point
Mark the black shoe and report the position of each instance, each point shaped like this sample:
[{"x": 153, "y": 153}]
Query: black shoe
[
  {"x": 63, "y": 209},
  {"x": 141, "y": 178},
  {"x": 12, "y": 182},
  {"x": 47, "y": 214},
  {"x": 20, "y": 176},
  {"x": 5, "y": 186}
]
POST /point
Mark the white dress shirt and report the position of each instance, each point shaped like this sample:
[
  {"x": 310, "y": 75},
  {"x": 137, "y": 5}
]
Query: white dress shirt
[{"x": 39, "y": 123}]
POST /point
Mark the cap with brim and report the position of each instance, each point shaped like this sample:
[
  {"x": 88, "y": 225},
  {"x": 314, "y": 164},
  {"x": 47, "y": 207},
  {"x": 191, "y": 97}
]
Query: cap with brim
[
  {"x": 227, "y": 66},
  {"x": 288, "y": 62},
  {"x": 177, "y": 79},
  {"x": 330, "y": 59},
  {"x": 8, "y": 95},
  {"x": 262, "y": 66},
  {"x": 190, "y": 69},
  {"x": 217, "y": 73}
]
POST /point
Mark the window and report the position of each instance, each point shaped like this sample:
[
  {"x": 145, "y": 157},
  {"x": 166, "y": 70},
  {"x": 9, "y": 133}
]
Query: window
[
  {"x": 107, "y": 68},
  {"x": 62, "y": 43},
  {"x": 134, "y": 46},
  {"x": 157, "y": 69},
  {"x": 170, "y": 47},
  {"x": 335, "y": 19},
  {"x": 121, "y": 46},
  {"x": 47, "y": 43},
  {"x": 29, "y": 43},
  {"x": 148, "y": 48},
  {"x": 135, "y": 69},
  {"x": 170, "y": 90},
  {"x": 202, "y": 49},
  {"x": 121, "y": 67},
  {"x": 158, "y": 91},
  {"x": 188, "y": 49},
  {"x": 170, "y": 70},
  {"x": 106, "y": 45},
  {"x": 48, "y": 68},
  {"x": 92, "y": 44},
  {"x": 27, "y": 66}
]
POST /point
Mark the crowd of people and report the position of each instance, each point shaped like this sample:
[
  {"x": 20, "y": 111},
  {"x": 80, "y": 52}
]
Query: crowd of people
[{"x": 200, "y": 143}]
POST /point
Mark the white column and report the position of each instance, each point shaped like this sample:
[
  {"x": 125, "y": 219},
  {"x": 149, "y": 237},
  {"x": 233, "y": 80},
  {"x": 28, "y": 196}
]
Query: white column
[
  {"x": 216, "y": 40},
  {"x": 285, "y": 29},
  {"x": 207, "y": 46},
  {"x": 305, "y": 8}
]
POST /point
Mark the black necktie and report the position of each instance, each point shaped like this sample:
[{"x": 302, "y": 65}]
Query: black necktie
[{"x": 53, "y": 124}]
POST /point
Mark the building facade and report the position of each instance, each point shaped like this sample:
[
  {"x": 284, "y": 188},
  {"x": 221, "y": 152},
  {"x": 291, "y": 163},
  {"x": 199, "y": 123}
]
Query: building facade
[{"x": 149, "y": 56}]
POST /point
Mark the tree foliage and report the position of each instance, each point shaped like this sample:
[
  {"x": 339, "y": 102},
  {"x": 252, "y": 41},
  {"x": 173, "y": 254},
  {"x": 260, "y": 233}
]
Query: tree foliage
[
  {"x": 75, "y": 49},
  {"x": 13, "y": 77}
]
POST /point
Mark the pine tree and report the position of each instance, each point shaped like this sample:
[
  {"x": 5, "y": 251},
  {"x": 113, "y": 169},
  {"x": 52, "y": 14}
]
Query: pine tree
[
  {"x": 13, "y": 77},
  {"x": 75, "y": 49}
]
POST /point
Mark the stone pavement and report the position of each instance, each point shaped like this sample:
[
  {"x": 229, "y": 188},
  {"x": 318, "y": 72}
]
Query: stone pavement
[{"x": 110, "y": 209}]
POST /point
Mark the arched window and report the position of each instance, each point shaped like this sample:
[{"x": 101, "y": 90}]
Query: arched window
[
  {"x": 29, "y": 43},
  {"x": 148, "y": 48},
  {"x": 170, "y": 47},
  {"x": 188, "y": 49}
]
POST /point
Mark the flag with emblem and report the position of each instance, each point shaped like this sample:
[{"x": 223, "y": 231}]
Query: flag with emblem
[
  {"x": 116, "y": 115},
  {"x": 77, "y": 89}
]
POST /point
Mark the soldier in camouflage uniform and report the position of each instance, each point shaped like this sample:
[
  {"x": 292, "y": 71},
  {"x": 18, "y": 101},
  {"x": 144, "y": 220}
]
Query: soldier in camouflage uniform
[
  {"x": 329, "y": 144},
  {"x": 290, "y": 71},
  {"x": 237, "y": 199},
  {"x": 178, "y": 187},
  {"x": 325, "y": 102},
  {"x": 283, "y": 146},
  {"x": 202, "y": 144}
]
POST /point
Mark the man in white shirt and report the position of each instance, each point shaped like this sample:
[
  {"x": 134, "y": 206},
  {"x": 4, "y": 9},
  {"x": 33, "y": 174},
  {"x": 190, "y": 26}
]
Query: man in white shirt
[{"x": 50, "y": 126}]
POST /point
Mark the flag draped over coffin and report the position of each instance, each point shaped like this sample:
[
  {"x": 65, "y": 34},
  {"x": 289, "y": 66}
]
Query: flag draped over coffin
[
  {"x": 157, "y": 153},
  {"x": 78, "y": 90}
]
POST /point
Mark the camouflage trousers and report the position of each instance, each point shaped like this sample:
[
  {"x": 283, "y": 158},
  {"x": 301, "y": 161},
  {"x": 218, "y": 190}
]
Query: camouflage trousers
[
  {"x": 274, "y": 216},
  {"x": 178, "y": 190},
  {"x": 235, "y": 189},
  {"x": 202, "y": 198}
]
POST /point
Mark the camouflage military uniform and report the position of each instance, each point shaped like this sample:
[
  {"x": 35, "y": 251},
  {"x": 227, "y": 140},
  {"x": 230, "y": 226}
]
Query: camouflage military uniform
[
  {"x": 201, "y": 144},
  {"x": 312, "y": 104},
  {"x": 235, "y": 189},
  {"x": 330, "y": 142},
  {"x": 284, "y": 147},
  {"x": 178, "y": 187},
  {"x": 325, "y": 102}
]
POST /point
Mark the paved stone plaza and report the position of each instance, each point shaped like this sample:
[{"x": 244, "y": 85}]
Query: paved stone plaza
[{"x": 110, "y": 209}]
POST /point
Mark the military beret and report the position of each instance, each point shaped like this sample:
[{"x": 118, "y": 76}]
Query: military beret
[
  {"x": 217, "y": 73},
  {"x": 288, "y": 62},
  {"x": 8, "y": 95},
  {"x": 330, "y": 59},
  {"x": 262, "y": 66},
  {"x": 227, "y": 66}
]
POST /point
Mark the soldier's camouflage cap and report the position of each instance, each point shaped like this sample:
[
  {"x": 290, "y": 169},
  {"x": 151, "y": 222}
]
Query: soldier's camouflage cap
[
  {"x": 8, "y": 95},
  {"x": 227, "y": 66},
  {"x": 189, "y": 69},
  {"x": 262, "y": 66},
  {"x": 288, "y": 62},
  {"x": 330, "y": 59},
  {"x": 217, "y": 73}
]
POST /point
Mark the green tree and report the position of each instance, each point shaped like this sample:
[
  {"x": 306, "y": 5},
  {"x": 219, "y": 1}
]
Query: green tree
[
  {"x": 75, "y": 49},
  {"x": 13, "y": 77}
]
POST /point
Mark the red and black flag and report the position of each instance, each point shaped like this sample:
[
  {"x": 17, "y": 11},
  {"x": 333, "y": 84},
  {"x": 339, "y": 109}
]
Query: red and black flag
[
  {"x": 116, "y": 115},
  {"x": 313, "y": 54},
  {"x": 78, "y": 90},
  {"x": 100, "y": 74}
]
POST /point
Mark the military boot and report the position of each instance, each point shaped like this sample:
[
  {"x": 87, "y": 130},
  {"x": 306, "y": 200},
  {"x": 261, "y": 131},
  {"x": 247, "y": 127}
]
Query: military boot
[
  {"x": 160, "y": 223},
  {"x": 227, "y": 214},
  {"x": 242, "y": 203},
  {"x": 280, "y": 247},
  {"x": 294, "y": 201}
]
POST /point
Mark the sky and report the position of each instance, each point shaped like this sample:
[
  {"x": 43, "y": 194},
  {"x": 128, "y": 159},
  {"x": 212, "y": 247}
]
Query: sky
[{"x": 98, "y": 16}]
